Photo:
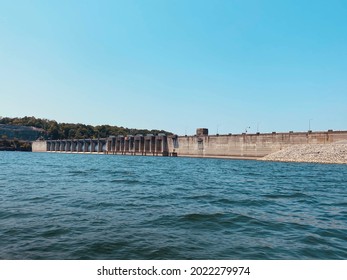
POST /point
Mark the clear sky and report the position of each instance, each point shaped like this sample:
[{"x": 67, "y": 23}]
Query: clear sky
[{"x": 177, "y": 65}]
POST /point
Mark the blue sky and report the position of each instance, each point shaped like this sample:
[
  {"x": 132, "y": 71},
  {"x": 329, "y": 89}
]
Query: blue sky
[{"x": 177, "y": 65}]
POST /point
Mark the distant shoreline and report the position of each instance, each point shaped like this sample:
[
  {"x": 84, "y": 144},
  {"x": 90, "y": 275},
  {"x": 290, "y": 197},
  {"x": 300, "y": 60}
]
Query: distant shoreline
[
  {"x": 15, "y": 145},
  {"x": 334, "y": 153},
  {"x": 266, "y": 158},
  {"x": 317, "y": 153}
]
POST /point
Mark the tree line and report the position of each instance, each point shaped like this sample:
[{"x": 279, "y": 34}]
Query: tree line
[{"x": 54, "y": 130}]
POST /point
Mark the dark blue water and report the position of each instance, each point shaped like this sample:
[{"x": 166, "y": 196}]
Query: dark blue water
[{"x": 64, "y": 206}]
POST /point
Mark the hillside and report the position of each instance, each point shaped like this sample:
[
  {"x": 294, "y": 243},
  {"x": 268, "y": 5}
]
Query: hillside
[
  {"x": 28, "y": 133},
  {"x": 31, "y": 128}
]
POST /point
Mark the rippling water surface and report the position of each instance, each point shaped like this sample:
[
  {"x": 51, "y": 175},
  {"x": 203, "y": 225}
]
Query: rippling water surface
[{"x": 68, "y": 206}]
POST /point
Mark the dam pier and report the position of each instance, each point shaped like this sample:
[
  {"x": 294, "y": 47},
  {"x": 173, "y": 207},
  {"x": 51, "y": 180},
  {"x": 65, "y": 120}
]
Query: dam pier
[{"x": 245, "y": 145}]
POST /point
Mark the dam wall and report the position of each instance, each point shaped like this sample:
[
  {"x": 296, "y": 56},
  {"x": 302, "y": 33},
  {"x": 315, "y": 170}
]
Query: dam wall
[
  {"x": 39, "y": 146},
  {"x": 248, "y": 145},
  {"x": 200, "y": 145}
]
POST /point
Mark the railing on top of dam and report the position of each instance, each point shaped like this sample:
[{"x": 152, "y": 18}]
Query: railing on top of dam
[{"x": 133, "y": 145}]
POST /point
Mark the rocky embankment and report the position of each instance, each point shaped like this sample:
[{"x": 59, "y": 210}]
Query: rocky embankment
[{"x": 316, "y": 153}]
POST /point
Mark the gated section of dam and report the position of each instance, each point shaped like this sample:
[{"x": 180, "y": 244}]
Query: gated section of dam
[
  {"x": 200, "y": 145},
  {"x": 129, "y": 145}
]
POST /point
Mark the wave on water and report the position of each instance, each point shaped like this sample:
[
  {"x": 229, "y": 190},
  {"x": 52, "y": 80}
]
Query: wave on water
[{"x": 123, "y": 207}]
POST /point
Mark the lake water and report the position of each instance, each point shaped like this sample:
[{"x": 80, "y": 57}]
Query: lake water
[{"x": 75, "y": 206}]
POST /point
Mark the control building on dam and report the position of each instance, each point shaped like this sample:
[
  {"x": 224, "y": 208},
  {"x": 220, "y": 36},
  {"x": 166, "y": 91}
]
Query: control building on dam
[{"x": 202, "y": 144}]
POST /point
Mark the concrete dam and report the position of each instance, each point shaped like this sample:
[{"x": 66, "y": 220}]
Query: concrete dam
[{"x": 202, "y": 144}]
